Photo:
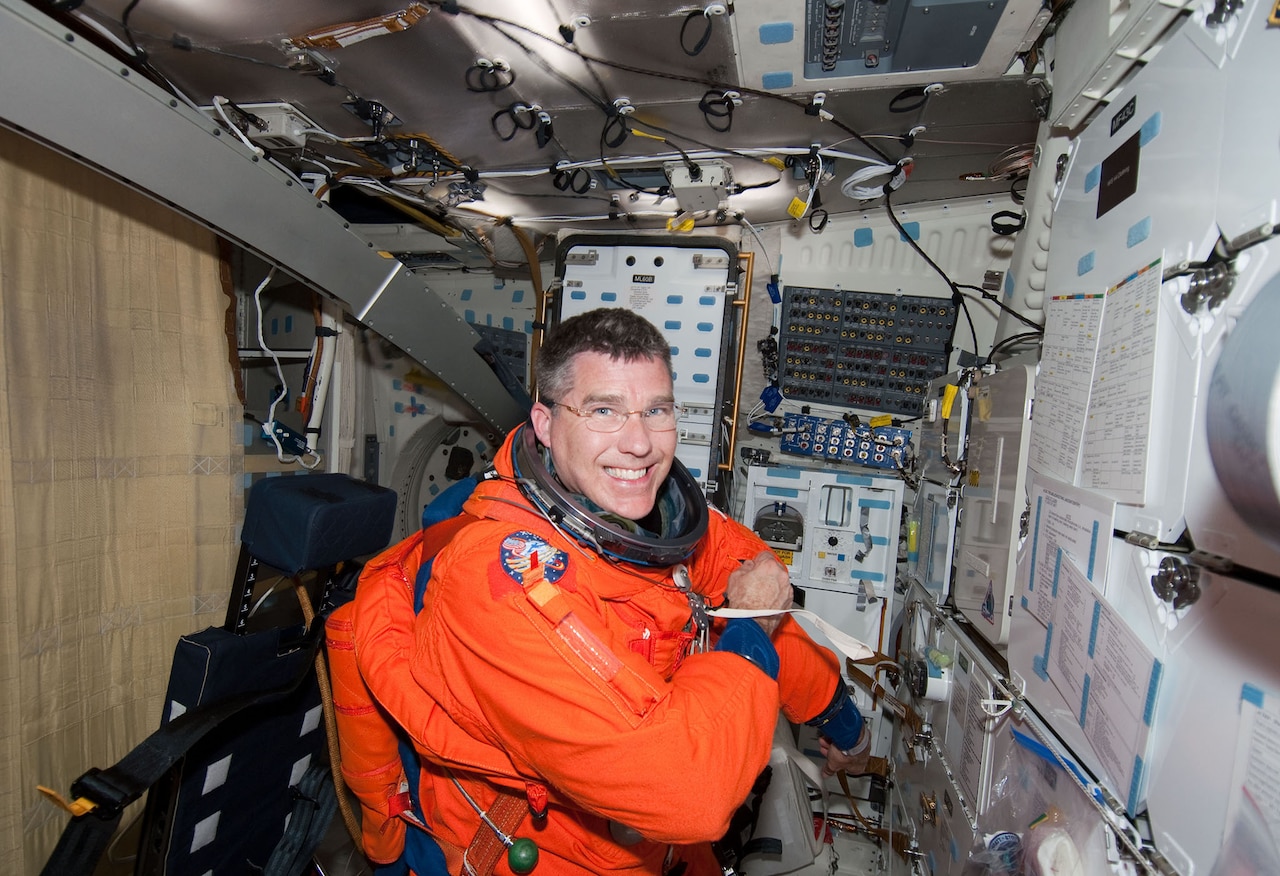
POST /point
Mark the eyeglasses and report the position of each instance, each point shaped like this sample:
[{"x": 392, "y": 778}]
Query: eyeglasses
[{"x": 661, "y": 417}]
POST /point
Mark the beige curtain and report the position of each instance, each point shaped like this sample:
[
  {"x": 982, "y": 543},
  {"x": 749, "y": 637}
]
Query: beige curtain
[{"x": 121, "y": 472}]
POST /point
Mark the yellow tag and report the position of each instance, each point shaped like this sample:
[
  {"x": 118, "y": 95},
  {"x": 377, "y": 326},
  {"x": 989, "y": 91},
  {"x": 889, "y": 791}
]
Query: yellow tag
[
  {"x": 796, "y": 208},
  {"x": 787, "y": 557},
  {"x": 948, "y": 398},
  {"x": 681, "y": 225},
  {"x": 882, "y": 420},
  {"x": 975, "y": 478},
  {"x": 776, "y": 162}
]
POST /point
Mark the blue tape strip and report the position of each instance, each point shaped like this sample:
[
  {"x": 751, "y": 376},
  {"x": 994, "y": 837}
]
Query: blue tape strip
[
  {"x": 1084, "y": 699},
  {"x": 1057, "y": 569},
  {"x": 1153, "y": 688},
  {"x": 1035, "y": 544},
  {"x": 1135, "y": 785},
  {"x": 785, "y": 492},
  {"x": 1251, "y": 694},
  {"x": 1093, "y": 627},
  {"x": 1093, "y": 549}
]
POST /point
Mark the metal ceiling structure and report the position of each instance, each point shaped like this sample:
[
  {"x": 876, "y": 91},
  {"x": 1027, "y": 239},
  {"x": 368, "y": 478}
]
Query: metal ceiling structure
[
  {"x": 492, "y": 130},
  {"x": 592, "y": 113}
]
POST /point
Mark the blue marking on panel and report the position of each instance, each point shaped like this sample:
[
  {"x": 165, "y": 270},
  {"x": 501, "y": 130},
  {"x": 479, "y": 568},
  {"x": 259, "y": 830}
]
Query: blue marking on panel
[
  {"x": 1057, "y": 570},
  {"x": 706, "y": 326},
  {"x": 1035, "y": 544},
  {"x": 275, "y": 325},
  {"x": 776, "y": 33},
  {"x": 1040, "y": 662},
  {"x": 578, "y": 295},
  {"x": 1150, "y": 130},
  {"x": 1092, "y": 178},
  {"x": 696, "y": 472},
  {"x": 609, "y": 296},
  {"x": 469, "y": 315},
  {"x": 1093, "y": 549},
  {"x": 672, "y": 325},
  {"x": 863, "y": 237},
  {"x": 781, "y": 79},
  {"x": 1093, "y": 627},
  {"x": 1024, "y": 602},
  {"x": 1138, "y": 232},
  {"x": 508, "y": 323},
  {"x": 675, "y": 352},
  {"x": 869, "y": 576},
  {"x": 466, "y": 295},
  {"x": 1085, "y": 265},
  {"x": 1135, "y": 784},
  {"x": 288, "y": 324},
  {"x": 1084, "y": 698},
  {"x": 1153, "y": 687},
  {"x": 707, "y": 300},
  {"x": 1009, "y": 284},
  {"x": 860, "y": 480},
  {"x": 702, "y": 378},
  {"x": 794, "y": 473},
  {"x": 785, "y": 492},
  {"x": 675, "y": 299},
  {"x": 702, "y": 352},
  {"x": 882, "y": 504},
  {"x": 528, "y": 326},
  {"x": 517, "y": 295},
  {"x": 912, "y": 229},
  {"x": 1251, "y": 694},
  {"x": 879, "y": 539}
]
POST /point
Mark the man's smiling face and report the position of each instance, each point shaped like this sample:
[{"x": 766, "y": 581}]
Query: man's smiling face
[{"x": 621, "y": 471}]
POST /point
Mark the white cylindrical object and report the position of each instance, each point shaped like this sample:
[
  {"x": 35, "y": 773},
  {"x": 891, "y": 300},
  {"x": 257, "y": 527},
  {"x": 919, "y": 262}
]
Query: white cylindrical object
[{"x": 1243, "y": 414}]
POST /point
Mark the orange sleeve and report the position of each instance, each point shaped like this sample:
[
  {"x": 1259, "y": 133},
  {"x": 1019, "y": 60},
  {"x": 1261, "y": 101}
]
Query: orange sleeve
[
  {"x": 809, "y": 672},
  {"x": 550, "y": 683}
]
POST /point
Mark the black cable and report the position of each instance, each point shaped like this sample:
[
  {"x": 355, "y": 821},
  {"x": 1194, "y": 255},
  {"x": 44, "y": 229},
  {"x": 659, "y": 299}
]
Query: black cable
[
  {"x": 641, "y": 71},
  {"x": 1013, "y": 341},
  {"x": 995, "y": 299},
  {"x": 487, "y": 79},
  {"x": 717, "y": 105},
  {"x": 956, "y": 297},
  {"x": 702, "y": 40}
]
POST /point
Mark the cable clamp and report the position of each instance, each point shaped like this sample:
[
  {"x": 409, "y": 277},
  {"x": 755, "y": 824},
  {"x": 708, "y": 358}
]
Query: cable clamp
[
  {"x": 623, "y": 106},
  {"x": 715, "y": 9},
  {"x": 815, "y": 104}
]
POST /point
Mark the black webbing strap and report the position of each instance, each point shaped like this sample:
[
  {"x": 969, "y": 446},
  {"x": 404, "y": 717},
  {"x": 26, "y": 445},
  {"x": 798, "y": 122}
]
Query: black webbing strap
[{"x": 109, "y": 791}]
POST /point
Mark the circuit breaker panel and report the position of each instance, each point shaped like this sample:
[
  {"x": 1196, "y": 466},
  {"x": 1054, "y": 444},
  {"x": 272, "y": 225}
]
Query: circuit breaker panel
[{"x": 864, "y": 350}]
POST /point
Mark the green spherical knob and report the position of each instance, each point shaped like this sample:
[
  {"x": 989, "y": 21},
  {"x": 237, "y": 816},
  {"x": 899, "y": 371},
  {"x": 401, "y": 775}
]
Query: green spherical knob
[{"x": 522, "y": 856}]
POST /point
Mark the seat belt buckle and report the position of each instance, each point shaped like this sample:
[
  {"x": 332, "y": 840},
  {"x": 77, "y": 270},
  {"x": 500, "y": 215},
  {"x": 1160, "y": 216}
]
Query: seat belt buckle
[{"x": 105, "y": 799}]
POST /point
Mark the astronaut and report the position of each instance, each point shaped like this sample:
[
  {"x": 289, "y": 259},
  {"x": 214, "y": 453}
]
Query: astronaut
[{"x": 566, "y": 690}]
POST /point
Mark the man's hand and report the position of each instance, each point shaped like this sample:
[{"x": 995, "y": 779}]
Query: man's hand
[
  {"x": 761, "y": 583},
  {"x": 837, "y": 760}
]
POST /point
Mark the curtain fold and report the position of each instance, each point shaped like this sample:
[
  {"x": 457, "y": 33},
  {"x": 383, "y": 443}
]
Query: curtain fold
[{"x": 121, "y": 471}]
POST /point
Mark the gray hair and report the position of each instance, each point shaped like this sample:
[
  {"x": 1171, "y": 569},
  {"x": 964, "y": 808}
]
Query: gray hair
[{"x": 615, "y": 331}]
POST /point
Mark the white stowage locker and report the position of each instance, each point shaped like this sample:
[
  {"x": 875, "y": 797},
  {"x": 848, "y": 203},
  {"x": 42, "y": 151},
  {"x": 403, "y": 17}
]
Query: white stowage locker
[
  {"x": 993, "y": 499},
  {"x": 931, "y": 524},
  {"x": 1146, "y": 601}
]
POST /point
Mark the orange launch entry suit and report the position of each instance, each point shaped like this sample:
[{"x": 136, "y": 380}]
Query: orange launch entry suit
[{"x": 537, "y": 665}]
